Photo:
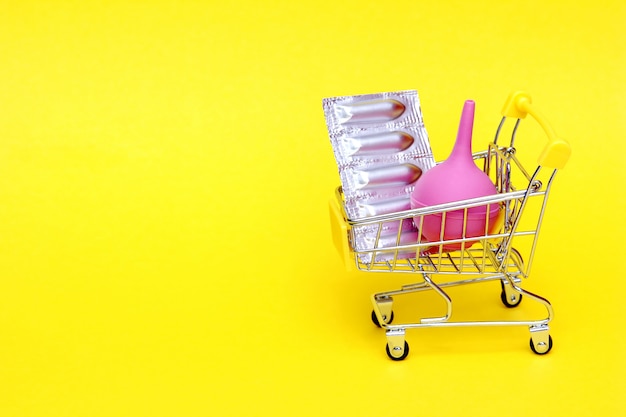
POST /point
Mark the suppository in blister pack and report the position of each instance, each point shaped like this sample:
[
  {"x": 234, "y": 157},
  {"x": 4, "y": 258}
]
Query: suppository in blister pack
[{"x": 381, "y": 148}]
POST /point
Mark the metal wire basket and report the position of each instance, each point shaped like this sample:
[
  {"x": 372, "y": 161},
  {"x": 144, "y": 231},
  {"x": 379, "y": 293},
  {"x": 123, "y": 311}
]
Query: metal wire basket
[{"x": 504, "y": 252}]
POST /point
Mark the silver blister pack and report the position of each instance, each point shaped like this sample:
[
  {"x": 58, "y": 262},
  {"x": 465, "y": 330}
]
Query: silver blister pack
[{"x": 381, "y": 148}]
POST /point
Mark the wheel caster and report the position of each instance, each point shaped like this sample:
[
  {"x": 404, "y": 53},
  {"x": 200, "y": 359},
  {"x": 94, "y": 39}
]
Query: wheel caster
[
  {"x": 386, "y": 319},
  {"x": 509, "y": 297},
  {"x": 397, "y": 347},
  {"x": 398, "y": 353},
  {"x": 541, "y": 347}
]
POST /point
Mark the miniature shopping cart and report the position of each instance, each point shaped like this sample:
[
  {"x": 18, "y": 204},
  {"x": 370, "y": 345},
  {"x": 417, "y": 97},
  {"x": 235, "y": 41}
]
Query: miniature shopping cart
[{"x": 504, "y": 253}]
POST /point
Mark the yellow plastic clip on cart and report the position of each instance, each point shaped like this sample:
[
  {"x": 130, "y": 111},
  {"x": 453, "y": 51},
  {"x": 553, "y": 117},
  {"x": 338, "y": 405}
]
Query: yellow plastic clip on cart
[{"x": 504, "y": 254}]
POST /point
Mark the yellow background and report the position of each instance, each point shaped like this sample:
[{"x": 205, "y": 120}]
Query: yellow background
[{"x": 164, "y": 177}]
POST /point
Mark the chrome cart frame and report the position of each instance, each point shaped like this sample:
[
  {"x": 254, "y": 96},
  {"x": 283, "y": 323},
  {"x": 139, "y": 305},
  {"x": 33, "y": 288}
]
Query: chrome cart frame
[{"x": 504, "y": 252}]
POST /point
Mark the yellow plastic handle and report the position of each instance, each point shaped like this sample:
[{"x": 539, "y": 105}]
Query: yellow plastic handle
[
  {"x": 557, "y": 152},
  {"x": 339, "y": 230}
]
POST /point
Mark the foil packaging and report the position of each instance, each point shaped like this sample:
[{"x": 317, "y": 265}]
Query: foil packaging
[{"x": 381, "y": 148}]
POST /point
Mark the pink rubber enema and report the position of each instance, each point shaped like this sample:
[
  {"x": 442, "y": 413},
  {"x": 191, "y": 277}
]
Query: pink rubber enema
[{"x": 457, "y": 178}]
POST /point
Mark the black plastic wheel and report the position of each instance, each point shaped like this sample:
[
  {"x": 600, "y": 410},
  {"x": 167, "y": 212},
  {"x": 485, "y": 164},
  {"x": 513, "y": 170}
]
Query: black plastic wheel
[
  {"x": 506, "y": 300},
  {"x": 404, "y": 354},
  {"x": 375, "y": 319},
  {"x": 532, "y": 346}
]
